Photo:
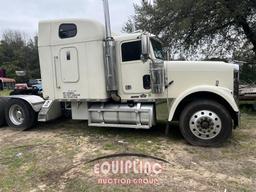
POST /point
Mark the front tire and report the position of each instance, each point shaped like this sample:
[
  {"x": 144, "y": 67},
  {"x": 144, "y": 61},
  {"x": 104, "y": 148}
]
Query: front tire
[
  {"x": 19, "y": 114},
  {"x": 205, "y": 123}
]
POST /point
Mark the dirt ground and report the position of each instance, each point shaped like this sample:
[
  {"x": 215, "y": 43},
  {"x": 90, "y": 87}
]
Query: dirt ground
[{"x": 53, "y": 156}]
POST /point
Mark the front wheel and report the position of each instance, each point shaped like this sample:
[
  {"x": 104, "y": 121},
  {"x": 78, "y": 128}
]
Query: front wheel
[
  {"x": 19, "y": 114},
  {"x": 205, "y": 123}
]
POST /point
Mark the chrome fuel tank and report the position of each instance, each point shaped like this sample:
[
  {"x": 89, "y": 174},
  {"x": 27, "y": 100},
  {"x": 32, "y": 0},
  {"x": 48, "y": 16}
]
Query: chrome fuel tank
[{"x": 140, "y": 116}]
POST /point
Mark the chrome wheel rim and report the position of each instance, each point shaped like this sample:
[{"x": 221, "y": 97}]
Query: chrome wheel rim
[
  {"x": 16, "y": 115},
  {"x": 205, "y": 124}
]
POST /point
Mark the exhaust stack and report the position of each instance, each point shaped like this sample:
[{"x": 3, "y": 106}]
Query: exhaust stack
[{"x": 110, "y": 57}]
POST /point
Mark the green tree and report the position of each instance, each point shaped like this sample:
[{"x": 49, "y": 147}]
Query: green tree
[
  {"x": 216, "y": 28},
  {"x": 19, "y": 54}
]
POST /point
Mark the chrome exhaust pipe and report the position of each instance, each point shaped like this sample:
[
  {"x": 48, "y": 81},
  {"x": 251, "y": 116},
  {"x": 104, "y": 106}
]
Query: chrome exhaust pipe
[
  {"x": 107, "y": 19},
  {"x": 110, "y": 57}
]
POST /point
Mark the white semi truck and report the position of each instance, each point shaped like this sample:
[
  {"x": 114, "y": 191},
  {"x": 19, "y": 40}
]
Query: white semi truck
[{"x": 116, "y": 81}]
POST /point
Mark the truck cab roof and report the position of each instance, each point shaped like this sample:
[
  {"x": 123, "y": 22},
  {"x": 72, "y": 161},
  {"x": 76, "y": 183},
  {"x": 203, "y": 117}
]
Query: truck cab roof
[{"x": 64, "y": 31}]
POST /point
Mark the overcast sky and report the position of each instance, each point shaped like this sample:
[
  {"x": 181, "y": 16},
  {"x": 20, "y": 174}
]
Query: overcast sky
[{"x": 24, "y": 15}]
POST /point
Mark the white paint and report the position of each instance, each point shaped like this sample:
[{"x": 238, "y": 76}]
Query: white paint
[{"x": 187, "y": 77}]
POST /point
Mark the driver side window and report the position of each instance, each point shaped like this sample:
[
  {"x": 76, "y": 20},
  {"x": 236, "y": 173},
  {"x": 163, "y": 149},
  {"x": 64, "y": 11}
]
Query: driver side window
[{"x": 131, "y": 51}]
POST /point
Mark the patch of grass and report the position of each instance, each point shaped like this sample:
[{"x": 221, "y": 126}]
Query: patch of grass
[
  {"x": 7, "y": 183},
  {"x": 14, "y": 158},
  {"x": 13, "y": 183},
  {"x": 86, "y": 185},
  {"x": 237, "y": 187},
  {"x": 82, "y": 186},
  {"x": 50, "y": 159},
  {"x": 249, "y": 172},
  {"x": 5, "y": 93},
  {"x": 110, "y": 146}
]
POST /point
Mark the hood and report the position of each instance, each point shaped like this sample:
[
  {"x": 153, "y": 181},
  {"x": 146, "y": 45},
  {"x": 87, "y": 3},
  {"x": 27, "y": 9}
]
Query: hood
[
  {"x": 203, "y": 65},
  {"x": 188, "y": 74}
]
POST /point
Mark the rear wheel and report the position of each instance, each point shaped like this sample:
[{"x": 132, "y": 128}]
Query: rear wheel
[
  {"x": 205, "y": 123},
  {"x": 19, "y": 114}
]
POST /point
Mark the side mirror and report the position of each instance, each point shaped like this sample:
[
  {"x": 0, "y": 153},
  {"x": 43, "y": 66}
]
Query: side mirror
[{"x": 145, "y": 47}]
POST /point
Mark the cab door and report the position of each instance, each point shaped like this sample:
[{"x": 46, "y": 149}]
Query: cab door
[{"x": 134, "y": 73}]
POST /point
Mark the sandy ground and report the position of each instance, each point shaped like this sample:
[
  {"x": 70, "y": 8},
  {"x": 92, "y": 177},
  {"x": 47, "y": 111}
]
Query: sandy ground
[{"x": 53, "y": 156}]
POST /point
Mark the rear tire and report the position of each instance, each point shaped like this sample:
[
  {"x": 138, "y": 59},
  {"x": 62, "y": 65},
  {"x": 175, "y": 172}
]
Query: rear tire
[
  {"x": 205, "y": 123},
  {"x": 19, "y": 114}
]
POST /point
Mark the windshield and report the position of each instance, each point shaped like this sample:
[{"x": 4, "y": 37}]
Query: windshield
[{"x": 158, "y": 50}]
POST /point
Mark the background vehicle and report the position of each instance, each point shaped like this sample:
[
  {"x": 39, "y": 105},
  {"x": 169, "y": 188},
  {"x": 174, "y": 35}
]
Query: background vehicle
[
  {"x": 32, "y": 82},
  {"x": 33, "y": 87},
  {"x": 38, "y": 88},
  {"x": 116, "y": 81},
  {"x": 21, "y": 86},
  {"x": 6, "y": 83}
]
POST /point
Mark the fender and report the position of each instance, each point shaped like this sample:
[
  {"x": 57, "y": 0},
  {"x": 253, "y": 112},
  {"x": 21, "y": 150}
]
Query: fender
[
  {"x": 35, "y": 102},
  {"x": 225, "y": 93}
]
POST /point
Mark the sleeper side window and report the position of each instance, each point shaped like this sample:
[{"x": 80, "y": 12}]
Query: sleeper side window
[
  {"x": 67, "y": 30},
  {"x": 131, "y": 51}
]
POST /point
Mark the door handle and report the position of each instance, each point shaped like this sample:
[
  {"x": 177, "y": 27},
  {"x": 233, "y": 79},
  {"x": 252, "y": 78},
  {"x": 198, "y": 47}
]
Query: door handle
[{"x": 56, "y": 58}]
